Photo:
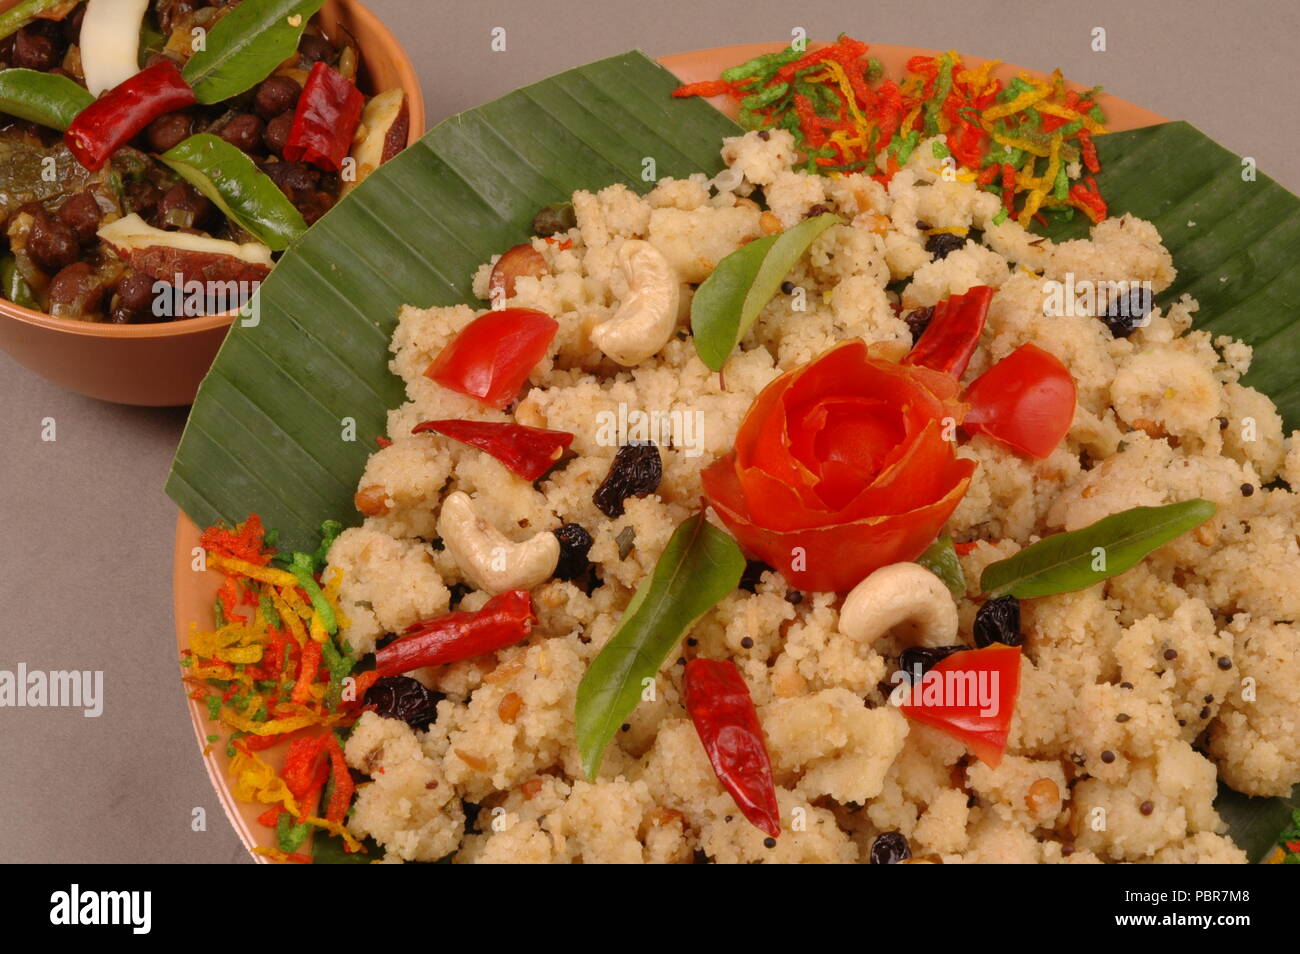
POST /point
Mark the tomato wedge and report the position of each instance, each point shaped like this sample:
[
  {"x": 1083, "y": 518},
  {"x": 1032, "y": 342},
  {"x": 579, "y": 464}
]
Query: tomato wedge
[
  {"x": 492, "y": 356},
  {"x": 970, "y": 696},
  {"x": 526, "y": 451},
  {"x": 1025, "y": 402},
  {"x": 954, "y": 330}
]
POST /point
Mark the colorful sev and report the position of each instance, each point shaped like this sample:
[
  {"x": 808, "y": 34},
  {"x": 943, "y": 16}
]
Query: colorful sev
[
  {"x": 1030, "y": 142},
  {"x": 275, "y": 668}
]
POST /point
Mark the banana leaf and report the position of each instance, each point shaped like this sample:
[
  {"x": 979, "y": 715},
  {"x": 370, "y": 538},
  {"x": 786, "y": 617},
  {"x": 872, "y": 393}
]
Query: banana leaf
[
  {"x": 269, "y": 430},
  {"x": 286, "y": 418}
]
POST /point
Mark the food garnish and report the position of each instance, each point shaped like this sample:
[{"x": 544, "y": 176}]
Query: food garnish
[
  {"x": 504, "y": 620},
  {"x": 1029, "y": 142},
  {"x": 1075, "y": 560},
  {"x": 1025, "y": 402},
  {"x": 115, "y": 118},
  {"x": 47, "y": 99},
  {"x": 727, "y": 303},
  {"x": 328, "y": 113},
  {"x": 699, "y": 566},
  {"x": 952, "y": 333},
  {"x": 720, "y": 706},
  {"x": 940, "y": 558},
  {"x": 985, "y": 733},
  {"x": 492, "y": 356},
  {"x": 842, "y": 466},
  {"x": 246, "y": 45},
  {"x": 526, "y": 451}
]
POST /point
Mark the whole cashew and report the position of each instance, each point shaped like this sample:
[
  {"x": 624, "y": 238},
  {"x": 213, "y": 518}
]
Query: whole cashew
[
  {"x": 896, "y": 594},
  {"x": 488, "y": 559},
  {"x": 646, "y": 319}
]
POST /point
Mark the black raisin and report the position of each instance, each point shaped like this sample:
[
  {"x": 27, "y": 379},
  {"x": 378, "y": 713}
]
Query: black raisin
[
  {"x": 575, "y": 544},
  {"x": 941, "y": 244},
  {"x": 1124, "y": 314},
  {"x": 635, "y": 472},
  {"x": 926, "y": 657},
  {"x": 753, "y": 575},
  {"x": 889, "y": 848},
  {"x": 555, "y": 218},
  {"x": 405, "y": 699},
  {"x": 918, "y": 320},
  {"x": 998, "y": 621}
]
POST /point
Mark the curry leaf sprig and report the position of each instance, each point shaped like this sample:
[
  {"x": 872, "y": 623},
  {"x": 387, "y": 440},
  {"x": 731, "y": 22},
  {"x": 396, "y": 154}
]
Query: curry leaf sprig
[
  {"x": 700, "y": 566},
  {"x": 47, "y": 99},
  {"x": 1065, "y": 562},
  {"x": 727, "y": 303}
]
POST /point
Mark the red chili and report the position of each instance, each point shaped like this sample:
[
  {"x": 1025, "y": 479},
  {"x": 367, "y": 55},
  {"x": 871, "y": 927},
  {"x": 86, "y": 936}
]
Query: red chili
[
  {"x": 954, "y": 330},
  {"x": 504, "y": 620},
  {"x": 727, "y": 722},
  {"x": 492, "y": 356},
  {"x": 326, "y": 119},
  {"x": 526, "y": 451},
  {"x": 116, "y": 117}
]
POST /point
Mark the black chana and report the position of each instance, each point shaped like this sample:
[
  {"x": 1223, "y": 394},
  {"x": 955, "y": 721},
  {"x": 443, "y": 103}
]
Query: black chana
[
  {"x": 942, "y": 244},
  {"x": 926, "y": 657},
  {"x": 575, "y": 544},
  {"x": 998, "y": 621},
  {"x": 635, "y": 472},
  {"x": 1124, "y": 314},
  {"x": 404, "y": 699},
  {"x": 889, "y": 848}
]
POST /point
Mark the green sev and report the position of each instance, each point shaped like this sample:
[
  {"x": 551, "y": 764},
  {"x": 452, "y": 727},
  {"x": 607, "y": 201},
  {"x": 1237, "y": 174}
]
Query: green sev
[{"x": 301, "y": 567}]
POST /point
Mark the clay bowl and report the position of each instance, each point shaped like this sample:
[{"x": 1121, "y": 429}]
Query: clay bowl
[
  {"x": 161, "y": 365},
  {"x": 193, "y": 592}
]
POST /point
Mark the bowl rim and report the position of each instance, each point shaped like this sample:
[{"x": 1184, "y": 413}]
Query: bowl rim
[{"x": 410, "y": 83}]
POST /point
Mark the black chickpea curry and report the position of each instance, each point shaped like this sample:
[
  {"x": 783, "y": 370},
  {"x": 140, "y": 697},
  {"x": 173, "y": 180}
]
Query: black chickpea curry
[{"x": 150, "y": 144}]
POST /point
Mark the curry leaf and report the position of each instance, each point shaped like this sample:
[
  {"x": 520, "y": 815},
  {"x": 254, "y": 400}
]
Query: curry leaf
[
  {"x": 700, "y": 566},
  {"x": 47, "y": 99},
  {"x": 1073, "y": 561},
  {"x": 941, "y": 559},
  {"x": 729, "y": 300},
  {"x": 246, "y": 46},
  {"x": 22, "y": 13},
  {"x": 248, "y": 197}
]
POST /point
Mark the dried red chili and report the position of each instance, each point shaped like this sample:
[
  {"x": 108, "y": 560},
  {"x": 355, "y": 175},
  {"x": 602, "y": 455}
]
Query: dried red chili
[
  {"x": 954, "y": 330},
  {"x": 719, "y": 704},
  {"x": 526, "y": 451},
  {"x": 325, "y": 120},
  {"x": 504, "y": 620},
  {"x": 117, "y": 116}
]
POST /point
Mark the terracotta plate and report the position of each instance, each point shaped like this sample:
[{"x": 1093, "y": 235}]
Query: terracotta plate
[{"x": 194, "y": 593}]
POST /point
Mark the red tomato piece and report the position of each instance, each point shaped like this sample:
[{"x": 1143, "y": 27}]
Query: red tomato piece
[
  {"x": 492, "y": 356},
  {"x": 1025, "y": 402},
  {"x": 976, "y": 711},
  {"x": 526, "y": 451}
]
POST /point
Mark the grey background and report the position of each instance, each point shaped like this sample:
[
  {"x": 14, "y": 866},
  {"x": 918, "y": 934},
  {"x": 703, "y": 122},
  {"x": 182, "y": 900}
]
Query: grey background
[{"x": 87, "y": 531}]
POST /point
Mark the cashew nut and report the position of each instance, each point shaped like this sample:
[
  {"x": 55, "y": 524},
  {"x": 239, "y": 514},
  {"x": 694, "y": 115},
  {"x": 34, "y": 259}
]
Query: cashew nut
[
  {"x": 897, "y": 594},
  {"x": 488, "y": 559},
  {"x": 647, "y": 318}
]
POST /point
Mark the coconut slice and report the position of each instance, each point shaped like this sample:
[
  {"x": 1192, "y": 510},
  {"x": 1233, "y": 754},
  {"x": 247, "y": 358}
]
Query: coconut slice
[
  {"x": 385, "y": 124},
  {"x": 110, "y": 42}
]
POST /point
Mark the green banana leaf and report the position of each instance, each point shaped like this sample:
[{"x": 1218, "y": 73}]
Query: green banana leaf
[{"x": 269, "y": 431}]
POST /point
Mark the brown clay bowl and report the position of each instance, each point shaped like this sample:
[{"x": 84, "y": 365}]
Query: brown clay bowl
[
  {"x": 161, "y": 365},
  {"x": 193, "y": 593}
]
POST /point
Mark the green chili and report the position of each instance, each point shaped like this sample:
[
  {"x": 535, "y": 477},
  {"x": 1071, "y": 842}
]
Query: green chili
[
  {"x": 13, "y": 286},
  {"x": 231, "y": 180},
  {"x": 47, "y": 99},
  {"x": 21, "y": 14}
]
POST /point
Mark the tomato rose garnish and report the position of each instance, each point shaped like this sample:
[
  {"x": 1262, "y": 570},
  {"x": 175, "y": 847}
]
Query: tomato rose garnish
[{"x": 842, "y": 466}]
